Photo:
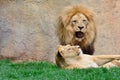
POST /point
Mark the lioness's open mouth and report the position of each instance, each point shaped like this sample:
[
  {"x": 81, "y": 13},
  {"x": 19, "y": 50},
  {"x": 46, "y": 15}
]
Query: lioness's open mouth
[{"x": 79, "y": 34}]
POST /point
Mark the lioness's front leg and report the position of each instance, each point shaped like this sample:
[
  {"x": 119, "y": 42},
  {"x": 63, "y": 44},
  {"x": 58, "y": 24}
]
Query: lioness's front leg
[{"x": 102, "y": 59}]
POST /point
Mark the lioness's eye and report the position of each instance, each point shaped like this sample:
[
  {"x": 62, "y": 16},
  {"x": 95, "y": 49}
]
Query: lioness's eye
[
  {"x": 84, "y": 20},
  {"x": 69, "y": 49}
]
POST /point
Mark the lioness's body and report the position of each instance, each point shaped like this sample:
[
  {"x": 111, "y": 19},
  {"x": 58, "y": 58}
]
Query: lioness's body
[{"x": 67, "y": 57}]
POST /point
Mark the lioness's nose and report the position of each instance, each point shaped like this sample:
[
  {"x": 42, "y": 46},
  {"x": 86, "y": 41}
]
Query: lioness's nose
[{"x": 80, "y": 27}]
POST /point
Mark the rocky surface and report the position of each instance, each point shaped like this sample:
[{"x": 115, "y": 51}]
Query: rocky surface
[{"x": 27, "y": 27}]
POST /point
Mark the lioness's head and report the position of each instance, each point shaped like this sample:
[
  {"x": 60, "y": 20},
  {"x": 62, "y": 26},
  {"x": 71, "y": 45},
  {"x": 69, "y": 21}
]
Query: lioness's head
[{"x": 68, "y": 51}]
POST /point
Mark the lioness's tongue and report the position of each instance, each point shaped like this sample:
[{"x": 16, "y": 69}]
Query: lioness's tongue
[{"x": 79, "y": 34}]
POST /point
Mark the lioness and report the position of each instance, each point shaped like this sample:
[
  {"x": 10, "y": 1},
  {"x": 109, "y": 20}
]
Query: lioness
[{"x": 71, "y": 57}]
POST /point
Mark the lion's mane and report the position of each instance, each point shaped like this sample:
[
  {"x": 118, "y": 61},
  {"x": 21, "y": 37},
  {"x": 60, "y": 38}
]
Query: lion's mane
[{"x": 67, "y": 37}]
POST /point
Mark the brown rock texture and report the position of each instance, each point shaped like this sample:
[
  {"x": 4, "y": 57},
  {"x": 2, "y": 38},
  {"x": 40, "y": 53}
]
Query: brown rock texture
[{"x": 27, "y": 27}]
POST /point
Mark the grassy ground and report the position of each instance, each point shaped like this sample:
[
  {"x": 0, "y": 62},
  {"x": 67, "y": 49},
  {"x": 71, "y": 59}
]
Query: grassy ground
[{"x": 47, "y": 71}]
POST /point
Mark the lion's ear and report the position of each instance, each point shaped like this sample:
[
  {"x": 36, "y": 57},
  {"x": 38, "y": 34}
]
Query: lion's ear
[
  {"x": 66, "y": 19},
  {"x": 60, "y": 22}
]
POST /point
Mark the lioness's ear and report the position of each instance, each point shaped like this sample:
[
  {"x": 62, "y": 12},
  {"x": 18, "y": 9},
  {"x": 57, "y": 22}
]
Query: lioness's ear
[
  {"x": 59, "y": 47},
  {"x": 78, "y": 46},
  {"x": 59, "y": 54},
  {"x": 81, "y": 52}
]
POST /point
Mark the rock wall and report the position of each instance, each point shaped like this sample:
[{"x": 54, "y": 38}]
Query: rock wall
[{"x": 27, "y": 27}]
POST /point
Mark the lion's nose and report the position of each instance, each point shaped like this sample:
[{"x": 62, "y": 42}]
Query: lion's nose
[{"x": 80, "y": 27}]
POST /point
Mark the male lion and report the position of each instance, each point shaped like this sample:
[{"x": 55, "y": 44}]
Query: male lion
[
  {"x": 76, "y": 27},
  {"x": 71, "y": 57}
]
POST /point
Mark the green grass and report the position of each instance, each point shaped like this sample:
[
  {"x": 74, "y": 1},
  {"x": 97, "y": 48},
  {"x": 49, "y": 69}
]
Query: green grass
[{"x": 48, "y": 71}]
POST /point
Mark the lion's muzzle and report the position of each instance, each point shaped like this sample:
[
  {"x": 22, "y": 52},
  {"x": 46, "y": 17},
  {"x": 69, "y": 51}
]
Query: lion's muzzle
[{"x": 79, "y": 34}]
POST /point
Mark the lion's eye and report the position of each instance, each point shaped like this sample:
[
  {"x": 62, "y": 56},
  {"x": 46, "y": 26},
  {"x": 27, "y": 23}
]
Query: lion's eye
[
  {"x": 85, "y": 21},
  {"x": 74, "y": 21}
]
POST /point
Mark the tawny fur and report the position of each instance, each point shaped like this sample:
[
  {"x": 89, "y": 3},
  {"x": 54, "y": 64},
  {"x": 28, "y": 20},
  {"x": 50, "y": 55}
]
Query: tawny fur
[
  {"x": 66, "y": 33},
  {"x": 70, "y": 57}
]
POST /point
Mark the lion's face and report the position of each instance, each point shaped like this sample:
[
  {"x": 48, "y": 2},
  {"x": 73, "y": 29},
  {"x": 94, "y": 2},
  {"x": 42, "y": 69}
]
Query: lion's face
[
  {"x": 79, "y": 24},
  {"x": 69, "y": 51}
]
